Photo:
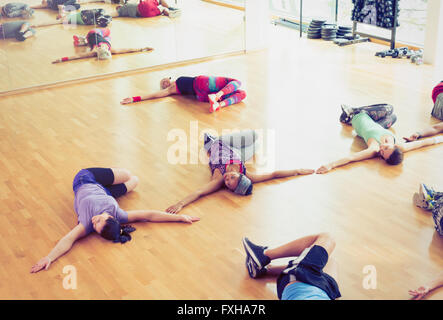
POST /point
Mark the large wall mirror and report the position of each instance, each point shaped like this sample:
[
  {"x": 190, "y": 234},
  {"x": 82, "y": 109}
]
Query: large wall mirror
[{"x": 198, "y": 29}]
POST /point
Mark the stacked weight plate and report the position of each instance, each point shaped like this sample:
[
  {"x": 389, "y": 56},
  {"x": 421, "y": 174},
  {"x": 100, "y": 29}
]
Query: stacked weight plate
[
  {"x": 314, "y": 30},
  {"x": 328, "y": 32},
  {"x": 342, "y": 31}
]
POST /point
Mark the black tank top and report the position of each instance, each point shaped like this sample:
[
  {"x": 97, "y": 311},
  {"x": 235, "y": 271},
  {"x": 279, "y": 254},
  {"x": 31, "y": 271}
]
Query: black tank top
[
  {"x": 185, "y": 85},
  {"x": 94, "y": 39}
]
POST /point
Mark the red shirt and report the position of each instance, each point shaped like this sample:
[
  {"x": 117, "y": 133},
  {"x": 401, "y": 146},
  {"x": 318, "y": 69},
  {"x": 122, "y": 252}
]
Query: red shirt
[{"x": 149, "y": 8}]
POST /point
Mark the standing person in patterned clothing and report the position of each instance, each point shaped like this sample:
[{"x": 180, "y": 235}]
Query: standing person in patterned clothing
[
  {"x": 227, "y": 155},
  {"x": 218, "y": 91}
]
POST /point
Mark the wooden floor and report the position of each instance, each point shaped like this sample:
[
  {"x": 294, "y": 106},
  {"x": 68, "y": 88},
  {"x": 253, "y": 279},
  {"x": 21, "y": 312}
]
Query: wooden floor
[
  {"x": 294, "y": 94},
  {"x": 202, "y": 30}
]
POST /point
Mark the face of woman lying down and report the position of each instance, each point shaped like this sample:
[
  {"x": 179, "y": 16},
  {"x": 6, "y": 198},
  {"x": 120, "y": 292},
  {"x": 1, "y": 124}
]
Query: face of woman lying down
[
  {"x": 165, "y": 82},
  {"x": 231, "y": 180},
  {"x": 386, "y": 150},
  {"x": 99, "y": 221}
]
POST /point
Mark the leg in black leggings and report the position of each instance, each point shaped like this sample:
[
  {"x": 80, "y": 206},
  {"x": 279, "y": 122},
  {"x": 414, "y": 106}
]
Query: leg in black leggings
[{"x": 105, "y": 177}]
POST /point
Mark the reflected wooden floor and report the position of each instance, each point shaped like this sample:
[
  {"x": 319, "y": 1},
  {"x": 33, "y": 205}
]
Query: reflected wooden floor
[
  {"x": 202, "y": 30},
  {"x": 294, "y": 93}
]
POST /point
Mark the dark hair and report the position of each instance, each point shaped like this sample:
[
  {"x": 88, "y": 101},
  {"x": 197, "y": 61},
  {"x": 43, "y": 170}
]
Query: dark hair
[
  {"x": 396, "y": 157},
  {"x": 115, "y": 232}
]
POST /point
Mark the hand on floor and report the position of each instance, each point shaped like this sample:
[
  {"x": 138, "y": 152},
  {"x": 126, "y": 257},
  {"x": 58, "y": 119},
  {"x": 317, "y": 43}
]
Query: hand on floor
[
  {"x": 323, "y": 169},
  {"x": 413, "y": 137},
  {"x": 42, "y": 264},
  {"x": 419, "y": 293},
  {"x": 126, "y": 101},
  {"x": 175, "y": 208},
  {"x": 189, "y": 219}
]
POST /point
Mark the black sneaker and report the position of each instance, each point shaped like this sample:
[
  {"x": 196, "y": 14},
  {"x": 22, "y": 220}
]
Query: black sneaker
[
  {"x": 346, "y": 115},
  {"x": 253, "y": 270},
  {"x": 256, "y": 260}
]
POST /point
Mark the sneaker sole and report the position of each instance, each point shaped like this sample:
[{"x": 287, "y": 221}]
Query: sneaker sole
[
  {"x": 419, "y": 201},
  {"x": 250, "y": 267},
  {"x": 251, "y": 253}
]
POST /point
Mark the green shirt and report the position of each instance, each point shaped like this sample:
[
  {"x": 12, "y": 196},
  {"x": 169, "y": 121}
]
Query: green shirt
[
  {"x": 367, "y": 128},
  {"x": 75, "y": 18}
]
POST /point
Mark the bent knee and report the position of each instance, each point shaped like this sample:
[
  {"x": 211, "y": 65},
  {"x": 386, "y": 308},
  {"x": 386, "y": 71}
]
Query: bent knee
[
  {"x": 131, "y": 183},
  {"x": 326, "y": 241}
]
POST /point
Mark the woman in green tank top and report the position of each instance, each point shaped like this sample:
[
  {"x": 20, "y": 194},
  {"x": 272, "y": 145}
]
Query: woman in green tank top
[{"x": 371, "y": 123}]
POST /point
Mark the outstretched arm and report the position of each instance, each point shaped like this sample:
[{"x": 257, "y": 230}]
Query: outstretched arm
[
  {"x": 405, "y": 147},
  {"x": 427, "y": 132},
  {"x": 159, "y": 94},
  {"x": 208, "y": 188},
  {"x": 277, "y": 174},
  {"x": 121, "y": 51},
  {"x": 422, "y": 291},
  {"x": 355, "y": 157},
  {"x": 79, "y": 56},
  {"x": 158, "y": 216},
  {"x": 63, "y": 246}
]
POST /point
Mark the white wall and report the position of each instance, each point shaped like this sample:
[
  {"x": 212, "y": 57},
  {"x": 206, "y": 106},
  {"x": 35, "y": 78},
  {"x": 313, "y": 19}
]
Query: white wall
[{"x": 433, "y": 48}]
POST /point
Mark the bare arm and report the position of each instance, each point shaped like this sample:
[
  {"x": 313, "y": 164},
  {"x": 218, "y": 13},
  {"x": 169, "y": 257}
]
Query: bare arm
[
  {"x": 277, "y": 174},
  {"x": 427, "y": 132},
  {"x": 158, "y": 94},
  {"x": 369, "y": 153},
  {"x": 422, "y": 291},
  {"x": 121, "y": 51},
  {"x": 62, "y": 246},
  {"x": 208, "y": 188},
  {"x": 76, "y": 57},
  {"x": 405, "y": 147},
  {"x": 158, "y": 216}
]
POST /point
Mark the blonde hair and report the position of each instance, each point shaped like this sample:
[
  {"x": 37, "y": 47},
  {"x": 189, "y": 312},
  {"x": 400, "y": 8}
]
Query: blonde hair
[{"x": 103, "y": 53}]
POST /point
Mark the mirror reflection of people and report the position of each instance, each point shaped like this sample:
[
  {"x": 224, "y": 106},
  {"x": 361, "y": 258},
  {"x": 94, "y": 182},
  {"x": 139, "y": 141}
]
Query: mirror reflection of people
[
  {"x": 144, "y": 9},
  {"x": 218, "y": 91},
  {"x": 99, "y": 42},
  {"x": 371, "y": 124},
  {"x": 422, "y": 291},
  {"x": 20, "y": 30},
  {"x": 312, "y": 275},
  {"x": 85, "y": 17},
  {"x": 96, "y": 191},
  {"x": 227, "y": 156},
  {"x": 59, "y": 5},
  {"x": 16, "y": 10}
]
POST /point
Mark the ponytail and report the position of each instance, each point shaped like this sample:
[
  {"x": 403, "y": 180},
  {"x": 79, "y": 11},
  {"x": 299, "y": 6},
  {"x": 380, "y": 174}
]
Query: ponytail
[
  {"x": 124, "y": 235},
  {"x": 115, "y": 232}
]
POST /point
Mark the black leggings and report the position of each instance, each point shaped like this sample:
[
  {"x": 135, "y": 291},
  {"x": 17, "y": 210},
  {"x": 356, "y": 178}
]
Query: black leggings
[
  {"x": 105, "y": 177},
  {"x": 380, "y": 113}
]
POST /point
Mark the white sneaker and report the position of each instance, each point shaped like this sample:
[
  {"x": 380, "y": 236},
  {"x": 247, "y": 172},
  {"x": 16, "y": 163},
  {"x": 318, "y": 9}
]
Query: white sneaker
[{"x": 174, "y": 12}]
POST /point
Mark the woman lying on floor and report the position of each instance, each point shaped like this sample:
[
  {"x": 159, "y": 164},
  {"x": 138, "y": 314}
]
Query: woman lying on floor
[
  {"x": 227, "y": 157},
  {"x": 99, "y": 43},
  {"x": 218, "y": 91},
  {"x": 95, "y": 192},
  {"x": 371, "y": 124},
  {"x": 20, "y": 30}
]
